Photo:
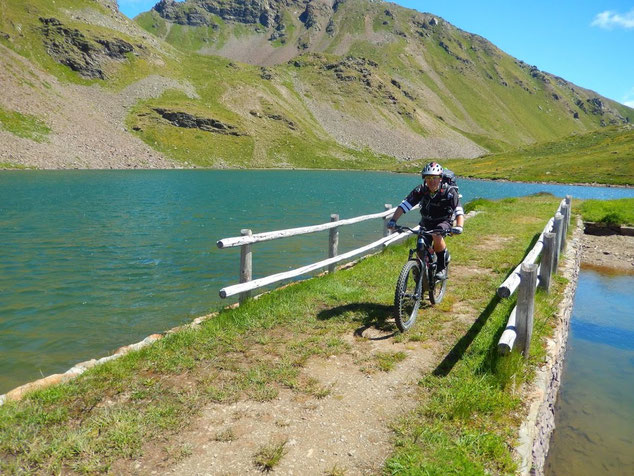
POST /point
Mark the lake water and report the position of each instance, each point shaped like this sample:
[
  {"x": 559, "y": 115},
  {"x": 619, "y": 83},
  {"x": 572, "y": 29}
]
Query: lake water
[
  {"x": 92, "y": 260},
  {"x": 594, "y": 416}
]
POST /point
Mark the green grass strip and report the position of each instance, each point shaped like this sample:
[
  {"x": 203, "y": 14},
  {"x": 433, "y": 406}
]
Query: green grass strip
[
  {"x": 23, "y": 125},
  {"x": 611, "y": 212}
]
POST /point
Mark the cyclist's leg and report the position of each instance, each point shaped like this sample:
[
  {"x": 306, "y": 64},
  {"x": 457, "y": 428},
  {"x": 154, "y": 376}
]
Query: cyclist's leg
[{"x": 440, "y": 248}]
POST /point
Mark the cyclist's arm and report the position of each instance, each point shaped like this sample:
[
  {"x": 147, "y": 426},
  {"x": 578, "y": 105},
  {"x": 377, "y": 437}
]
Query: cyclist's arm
[
  {"x": 459, "y": 215},
  {"x": 398, "y": 213},
  {"x": 409, "y": 202},
  {"x": 458, "y": 210}
]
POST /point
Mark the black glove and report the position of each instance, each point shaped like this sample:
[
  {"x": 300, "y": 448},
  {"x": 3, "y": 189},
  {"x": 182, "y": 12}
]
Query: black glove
[{"x": 391, "y": 224}]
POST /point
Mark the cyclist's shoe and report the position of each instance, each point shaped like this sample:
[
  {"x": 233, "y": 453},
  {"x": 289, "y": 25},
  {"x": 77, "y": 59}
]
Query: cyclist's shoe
[{"x": 441, "y": 275}]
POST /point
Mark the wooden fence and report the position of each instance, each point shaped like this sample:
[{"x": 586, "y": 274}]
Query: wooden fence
[
  {"x": 247, "y": 238},
  {"x": 528, "y": 275}
]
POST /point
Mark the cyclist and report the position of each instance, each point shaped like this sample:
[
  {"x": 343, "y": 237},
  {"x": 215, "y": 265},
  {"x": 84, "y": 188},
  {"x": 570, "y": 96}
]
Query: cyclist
[{"x": 439, "y": 207}]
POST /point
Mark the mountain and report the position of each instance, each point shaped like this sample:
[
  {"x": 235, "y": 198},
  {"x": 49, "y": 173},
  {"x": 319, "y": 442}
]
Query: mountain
[{"x": 270, "y": 83}]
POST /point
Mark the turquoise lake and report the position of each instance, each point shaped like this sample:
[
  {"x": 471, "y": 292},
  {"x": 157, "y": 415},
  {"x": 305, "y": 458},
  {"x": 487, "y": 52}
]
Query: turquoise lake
[{"x": 93, "y": 260}]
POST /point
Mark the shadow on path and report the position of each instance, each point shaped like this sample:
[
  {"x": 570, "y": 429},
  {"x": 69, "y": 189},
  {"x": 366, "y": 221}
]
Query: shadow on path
[
  {"x": 371, "y": 315},
  {"x": 458, "y": 350}
]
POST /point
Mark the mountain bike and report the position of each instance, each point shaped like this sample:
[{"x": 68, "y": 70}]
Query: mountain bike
[{"x": 417, "y": 277}]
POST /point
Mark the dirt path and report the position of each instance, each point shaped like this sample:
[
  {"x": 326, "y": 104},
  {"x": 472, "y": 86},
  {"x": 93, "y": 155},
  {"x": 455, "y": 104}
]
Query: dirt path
[
  {"x": 614, "y": 252},
  {"x": 345, "y": 432}
]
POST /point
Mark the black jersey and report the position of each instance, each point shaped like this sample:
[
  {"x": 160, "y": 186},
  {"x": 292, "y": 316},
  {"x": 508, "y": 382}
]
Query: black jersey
[{"x": 444, "y": 205}]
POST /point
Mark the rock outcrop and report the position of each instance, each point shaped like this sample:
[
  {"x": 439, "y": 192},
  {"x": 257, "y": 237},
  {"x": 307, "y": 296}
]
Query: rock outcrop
[
  {"x": 264, "y": 12},
  {"x": 189, "y": 121},
  {"x": 85, "y": 55}
]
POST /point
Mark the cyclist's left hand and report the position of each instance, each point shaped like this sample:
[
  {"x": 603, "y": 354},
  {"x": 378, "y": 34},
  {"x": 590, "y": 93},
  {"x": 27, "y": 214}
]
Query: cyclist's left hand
[{"x": 456, "y": 230}]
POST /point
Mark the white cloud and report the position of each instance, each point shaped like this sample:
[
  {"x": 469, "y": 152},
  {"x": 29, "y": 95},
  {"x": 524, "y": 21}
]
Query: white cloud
[
  {"x": 610, "y": 19},
  {"x": 628, "y": 98}
]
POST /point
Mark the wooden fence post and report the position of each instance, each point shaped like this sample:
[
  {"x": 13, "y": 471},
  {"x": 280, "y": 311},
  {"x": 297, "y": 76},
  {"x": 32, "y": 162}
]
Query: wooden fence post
[
  {"x": 386, "y": 219},
  {"x": 525, "y": 307},
  {"x": 565, "y": 211},
  {"x": 333, "y": 242},
  {"x": 557, "y": 228},
  {"x": 246, "y": 265},
  {"x": 546, "y": 264},
  {"x": 569, "y": 203}
]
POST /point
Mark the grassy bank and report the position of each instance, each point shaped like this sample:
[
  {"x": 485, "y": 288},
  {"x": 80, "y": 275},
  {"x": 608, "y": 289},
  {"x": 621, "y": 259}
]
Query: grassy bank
[
  {"x": 605, "y": 156},
  {"x": 611, "y": 212},
  {"x": 467, "y": 413}
]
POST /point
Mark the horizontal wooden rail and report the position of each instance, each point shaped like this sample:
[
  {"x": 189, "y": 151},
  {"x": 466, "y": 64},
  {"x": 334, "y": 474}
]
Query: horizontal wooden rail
[
  {"x": 246, "y": 284},
  {"x": 274, "y": 278},
  {"x": 507, "y": 339},
  {"x": 302, "y": 230},
  {"x": 527, "y": 276},
  {"x": 508, "y": 287}
]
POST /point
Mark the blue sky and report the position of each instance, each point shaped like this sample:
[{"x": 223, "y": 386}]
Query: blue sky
[{"x": 587, "y": 42}]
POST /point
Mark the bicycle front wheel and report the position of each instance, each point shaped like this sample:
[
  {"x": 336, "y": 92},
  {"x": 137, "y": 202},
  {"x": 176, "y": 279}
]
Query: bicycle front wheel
[
  {"x": 407, "y": 295},
  {"x": 437, "y": 288}
]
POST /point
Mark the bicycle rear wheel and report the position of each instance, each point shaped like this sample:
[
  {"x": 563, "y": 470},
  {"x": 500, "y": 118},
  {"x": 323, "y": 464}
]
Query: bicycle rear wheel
[
  {"x": 407, "y": 295},
  {"x": 437, "y": 288}
]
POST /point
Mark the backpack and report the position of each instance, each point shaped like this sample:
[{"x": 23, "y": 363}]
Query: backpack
[{"x": 449, "y": 179}]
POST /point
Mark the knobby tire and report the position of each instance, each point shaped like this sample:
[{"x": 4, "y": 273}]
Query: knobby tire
[
  {"x": 438, "y": 288},
  {"x": 406, "y": 305}
]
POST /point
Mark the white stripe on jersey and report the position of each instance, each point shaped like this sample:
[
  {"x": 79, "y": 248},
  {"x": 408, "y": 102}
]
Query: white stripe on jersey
[{"x": 405, "y": 206}]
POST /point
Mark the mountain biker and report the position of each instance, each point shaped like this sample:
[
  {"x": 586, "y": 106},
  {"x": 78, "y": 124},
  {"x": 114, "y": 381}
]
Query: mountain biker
[{"x": 439, "y": 206}]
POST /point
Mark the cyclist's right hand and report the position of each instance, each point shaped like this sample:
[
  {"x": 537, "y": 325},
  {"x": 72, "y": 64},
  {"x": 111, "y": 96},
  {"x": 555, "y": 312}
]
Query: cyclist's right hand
[{"x": 391, "y": 224}]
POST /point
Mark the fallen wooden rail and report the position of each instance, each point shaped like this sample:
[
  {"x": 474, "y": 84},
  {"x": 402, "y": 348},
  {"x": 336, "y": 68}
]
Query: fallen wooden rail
[
  {"x": 247, "y": 284},
  {"x": 527, "y": 275}
]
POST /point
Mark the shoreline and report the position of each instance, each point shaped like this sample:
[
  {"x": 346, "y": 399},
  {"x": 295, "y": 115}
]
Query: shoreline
[{"x": 178, "y": 167}]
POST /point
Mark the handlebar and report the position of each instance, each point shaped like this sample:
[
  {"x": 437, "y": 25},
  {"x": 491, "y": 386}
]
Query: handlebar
[{"x": 438, "y": 231}]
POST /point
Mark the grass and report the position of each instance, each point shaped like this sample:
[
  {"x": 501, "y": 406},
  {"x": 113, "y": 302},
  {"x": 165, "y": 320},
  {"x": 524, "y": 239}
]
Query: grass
[
  {"x": 468, "y": 411},
  {"x": 24, "y": 125},
  {"x": 11, "y": 165},
  {"x": 612, "y": 212},
  {"x": 386, "y": 361},
  {"x": 605, "y": 156},
  {"x": 269, "y": 456}
]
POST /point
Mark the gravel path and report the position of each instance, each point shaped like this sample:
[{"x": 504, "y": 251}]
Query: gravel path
[{"x": 609, "y": 251}]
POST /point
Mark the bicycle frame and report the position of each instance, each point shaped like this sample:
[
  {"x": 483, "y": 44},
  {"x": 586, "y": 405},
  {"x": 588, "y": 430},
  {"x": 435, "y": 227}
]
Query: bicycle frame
[
  {"x": 424, "y": 253},
  {"x": 418, "y": 276}
]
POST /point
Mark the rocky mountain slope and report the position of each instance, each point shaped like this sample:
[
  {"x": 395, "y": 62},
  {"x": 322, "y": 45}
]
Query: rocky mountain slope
[{"x": 269, "y": 83}]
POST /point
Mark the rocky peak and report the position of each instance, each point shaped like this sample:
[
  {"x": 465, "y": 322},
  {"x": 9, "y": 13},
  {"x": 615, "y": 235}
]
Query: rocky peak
[
  {"x": 194, "y": 12},
  {"x": 315, "y": 13}
]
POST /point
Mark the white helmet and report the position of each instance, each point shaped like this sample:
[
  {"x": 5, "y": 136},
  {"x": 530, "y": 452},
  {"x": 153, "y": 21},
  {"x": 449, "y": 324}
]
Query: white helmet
[{"x": 432, "y": 168}]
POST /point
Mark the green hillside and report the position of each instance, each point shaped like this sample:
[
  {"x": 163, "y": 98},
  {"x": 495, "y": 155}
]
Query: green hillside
[
  {"x": 603, "y": 156},
  {"x": 287, "y": 83}
]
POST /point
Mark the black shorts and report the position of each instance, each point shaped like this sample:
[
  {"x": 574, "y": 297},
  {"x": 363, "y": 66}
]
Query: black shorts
[{"x": 436, "y": 225}]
